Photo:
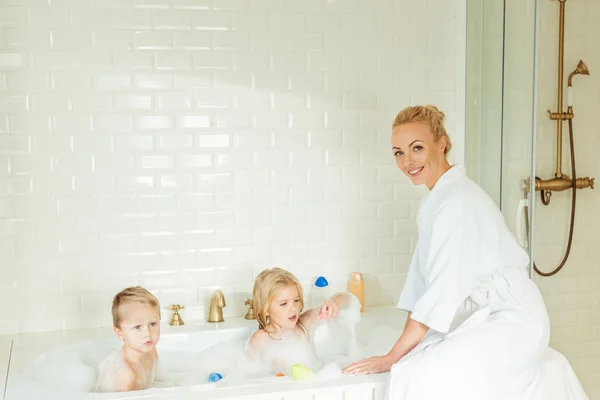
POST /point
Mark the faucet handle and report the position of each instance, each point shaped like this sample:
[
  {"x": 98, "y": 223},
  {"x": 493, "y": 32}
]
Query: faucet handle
[
  {"x": 176, "y": 319},
  {"x": 250, "y": 314},
  {"x": 176, "y": 307}
]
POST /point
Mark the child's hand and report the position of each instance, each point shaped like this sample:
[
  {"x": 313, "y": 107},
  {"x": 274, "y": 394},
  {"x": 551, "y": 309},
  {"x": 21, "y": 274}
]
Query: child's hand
[{"x": 329, "y": 309}]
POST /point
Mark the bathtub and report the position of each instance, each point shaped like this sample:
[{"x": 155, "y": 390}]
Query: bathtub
[
  {"x": 383, "y": 323},
  {"x": 31, "y": 378}
]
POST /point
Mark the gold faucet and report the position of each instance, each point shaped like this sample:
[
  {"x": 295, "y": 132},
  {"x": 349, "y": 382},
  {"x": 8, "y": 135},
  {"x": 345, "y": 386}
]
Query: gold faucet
[
  {"x": 250, "y": 313},
  {"x": 176, "y": 319},
  {"x": 215, "y": 309}
]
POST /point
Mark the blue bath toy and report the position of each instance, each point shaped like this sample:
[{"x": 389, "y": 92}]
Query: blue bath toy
[{"x": 215, "y": 377}]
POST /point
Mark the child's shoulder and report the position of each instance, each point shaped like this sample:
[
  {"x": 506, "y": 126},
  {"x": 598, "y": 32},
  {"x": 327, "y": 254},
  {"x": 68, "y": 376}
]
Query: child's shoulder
[{"x": 258, "y": 339}]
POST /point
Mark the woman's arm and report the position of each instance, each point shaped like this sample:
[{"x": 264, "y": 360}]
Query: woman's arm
[{"x": 413, "y": 332}]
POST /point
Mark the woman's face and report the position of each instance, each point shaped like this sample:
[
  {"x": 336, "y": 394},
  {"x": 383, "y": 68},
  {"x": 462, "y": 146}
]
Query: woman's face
[{"x": 417, "y": 153}]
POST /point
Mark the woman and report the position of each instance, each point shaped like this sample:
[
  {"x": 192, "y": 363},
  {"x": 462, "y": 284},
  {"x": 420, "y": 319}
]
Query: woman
[{"x": 477, "y": 327}]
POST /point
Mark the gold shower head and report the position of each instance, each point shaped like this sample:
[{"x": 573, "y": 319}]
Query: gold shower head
[{"x": 581, "y": 69}]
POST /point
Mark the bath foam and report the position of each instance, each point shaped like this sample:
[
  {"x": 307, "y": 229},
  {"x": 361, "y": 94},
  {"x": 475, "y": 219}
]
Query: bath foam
[{"x": 71, "y": 371}]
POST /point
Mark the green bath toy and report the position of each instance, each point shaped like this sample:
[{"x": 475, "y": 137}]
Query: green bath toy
[{"x": 300, "y": 372}]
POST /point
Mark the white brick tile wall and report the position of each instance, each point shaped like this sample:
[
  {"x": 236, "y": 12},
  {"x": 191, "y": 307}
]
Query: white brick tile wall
[{"x": 186, "y": 145}]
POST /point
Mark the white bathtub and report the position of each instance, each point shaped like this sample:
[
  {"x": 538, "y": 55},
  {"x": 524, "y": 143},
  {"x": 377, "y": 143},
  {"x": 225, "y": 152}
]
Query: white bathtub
[
  {"x": 561, "y": 382},
  {"x": 85, "y": 347}
]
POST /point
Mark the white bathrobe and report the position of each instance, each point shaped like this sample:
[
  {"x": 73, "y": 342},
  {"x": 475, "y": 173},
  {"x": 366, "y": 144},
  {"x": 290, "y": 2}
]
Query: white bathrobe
[{"x": 468, "y": 282}]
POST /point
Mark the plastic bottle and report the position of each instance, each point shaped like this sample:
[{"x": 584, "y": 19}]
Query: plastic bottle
[
  {"x": 319, "y": 292},
  {"x": 356, "y": 286}
]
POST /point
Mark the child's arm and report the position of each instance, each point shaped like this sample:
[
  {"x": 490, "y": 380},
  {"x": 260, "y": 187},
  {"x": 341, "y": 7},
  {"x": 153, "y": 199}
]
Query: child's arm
[
  {"x": 124, "y": 379},
  {"x": 329, "y": 309},
  {"x": 160, "y": 376}
]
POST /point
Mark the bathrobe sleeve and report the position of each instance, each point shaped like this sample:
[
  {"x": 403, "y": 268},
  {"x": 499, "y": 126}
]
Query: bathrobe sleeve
[
  {"x": 413, "y": 285},
  {"x": 451, "y": 268}
]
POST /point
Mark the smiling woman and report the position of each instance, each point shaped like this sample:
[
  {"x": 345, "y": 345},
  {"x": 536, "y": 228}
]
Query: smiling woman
[
  {"x": 477, "y": 327},
  {"x": 420, "y": 144}
]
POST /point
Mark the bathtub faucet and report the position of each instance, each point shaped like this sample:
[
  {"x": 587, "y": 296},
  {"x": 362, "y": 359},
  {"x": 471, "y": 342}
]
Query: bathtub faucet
[{"x": 215, "y": 309}]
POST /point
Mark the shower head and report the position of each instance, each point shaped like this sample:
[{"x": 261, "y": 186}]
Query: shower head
[{"x": 581, "y": 69}]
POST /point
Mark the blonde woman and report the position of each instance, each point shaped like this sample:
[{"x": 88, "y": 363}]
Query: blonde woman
[
  {"x": 477, "y": 327},
  {"x": 282, "y": 338}
]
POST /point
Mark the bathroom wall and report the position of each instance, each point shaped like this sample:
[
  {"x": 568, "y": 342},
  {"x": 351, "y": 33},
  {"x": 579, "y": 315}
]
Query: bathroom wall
[
  {"x": 187, "y": 145},
  {"x": 573, "y": 295}
]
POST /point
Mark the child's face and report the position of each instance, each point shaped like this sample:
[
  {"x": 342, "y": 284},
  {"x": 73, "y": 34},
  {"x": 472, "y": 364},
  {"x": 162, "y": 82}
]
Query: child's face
[
  {"x": 285, "y": 307},
  {"x": 139, "y": 327}
]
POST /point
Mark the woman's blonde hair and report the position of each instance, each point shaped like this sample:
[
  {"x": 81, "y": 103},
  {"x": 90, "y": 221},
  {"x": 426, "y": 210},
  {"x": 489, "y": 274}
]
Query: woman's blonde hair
[
  {"x": 428, "y": 115},
  {"x": 266, "y": 284},
  {"x": 134, "y": 294}
]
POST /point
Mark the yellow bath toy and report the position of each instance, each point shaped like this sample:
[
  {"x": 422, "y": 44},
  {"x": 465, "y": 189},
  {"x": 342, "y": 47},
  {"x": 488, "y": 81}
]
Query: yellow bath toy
[{"x": 300, "y": 372}]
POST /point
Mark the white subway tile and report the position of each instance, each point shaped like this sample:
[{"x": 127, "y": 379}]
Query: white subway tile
[
  {"x": 175, "y": 141},
  {"x": 134, "y": 142},
  {"x": 216, "y": 220},
  {"x": 150, "y": 40},
  {"x": 157, "y": 203},
  {"x": 233, "y": 120},
  {"x": 272, "y": 120},
  {"x": 307, "y": 158},
  {"x": 287, "y": 215},
  {"x": 271, "y": 234},
  {"x": 211, "y": 21},
  {"x": 252, "y": 217},
  {"x": 131, "y": 60},
  {"x": 217, "y": 181},
  {"x": 153, "y": 80},
  {"x": 203, "y": 141},
  {"x": 172, "y": 20},
  {"x": 193, "y": 41},
  {"x": 212, "y": 60},
  {"x": 308, "y": 42},
  {"x": 193, "y": 160},
  {"x": 206, "y": 98},
  {"x": 132, "y": 102},
  {"x": 176, "y": 182},
  {"x": 151, "y": 122},
  {"x": 135, "y": 183},
  {"x": 131, "y": 19},
  {"x": 270, "y": 196},
  {"x": 174, "y": 101},
  {"x": 112, "y": 81},
  {"x": 230, "y": 41},
  {"x": 68, "y": 39},
  {"x": 308, "y": 233},
  {"x": 193, "y": 202},
  {"x": 15, "y": 16},
  {"x": 174, "y": 60},
  {"x": 151, "y": 4},
  {"x": 323, "y": 22},
  {"x": 156, "y": 162},
  {"x": 193, "y": 80},
  {"x": 325, "y": 176}
]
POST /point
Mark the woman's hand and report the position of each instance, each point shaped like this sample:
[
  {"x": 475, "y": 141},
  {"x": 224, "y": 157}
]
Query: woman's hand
[
  {"x": 329, "y": 309},
  {"x": 371, "y": 365}
]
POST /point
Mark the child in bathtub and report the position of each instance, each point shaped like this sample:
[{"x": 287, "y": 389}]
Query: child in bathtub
[
  {"x": 282, "y": 338},
  {"x": 135, "y": 366}
]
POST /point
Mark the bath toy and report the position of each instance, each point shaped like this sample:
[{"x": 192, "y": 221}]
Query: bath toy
[
  {"x": 215, "y": 377},
  {"x": 280, "y": 374},
  {"x": 300, "y": 372}
]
